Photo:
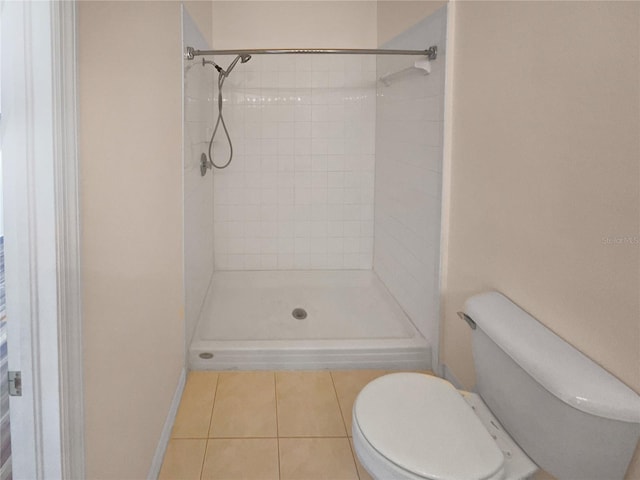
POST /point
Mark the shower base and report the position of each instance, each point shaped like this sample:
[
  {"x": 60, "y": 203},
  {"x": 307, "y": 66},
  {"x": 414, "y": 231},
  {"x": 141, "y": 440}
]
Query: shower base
[{"x": 247, "y": 322}]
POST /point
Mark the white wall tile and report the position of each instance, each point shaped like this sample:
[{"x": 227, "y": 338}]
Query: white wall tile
[
  {"x": 199, "y": 207},
  {"x": 408, "y": 156},
  {"x": 304, "y": 166}
]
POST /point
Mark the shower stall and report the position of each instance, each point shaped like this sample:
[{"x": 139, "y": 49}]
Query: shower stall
[{"x": 315, "y": 243}]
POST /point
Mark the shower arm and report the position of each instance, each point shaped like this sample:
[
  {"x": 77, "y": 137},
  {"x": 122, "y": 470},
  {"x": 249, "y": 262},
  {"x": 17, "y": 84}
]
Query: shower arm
[{"x": 431, "y": 53}]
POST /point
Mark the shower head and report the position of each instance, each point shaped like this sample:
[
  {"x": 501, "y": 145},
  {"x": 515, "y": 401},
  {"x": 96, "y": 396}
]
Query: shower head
[{"x": 244, "y": 58}]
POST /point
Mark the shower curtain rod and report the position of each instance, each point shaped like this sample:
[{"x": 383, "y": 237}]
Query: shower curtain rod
[{"x": 431, "y": 52}]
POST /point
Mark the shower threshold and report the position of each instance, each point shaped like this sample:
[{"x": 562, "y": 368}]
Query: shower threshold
[{"x": 300, "y": 320}]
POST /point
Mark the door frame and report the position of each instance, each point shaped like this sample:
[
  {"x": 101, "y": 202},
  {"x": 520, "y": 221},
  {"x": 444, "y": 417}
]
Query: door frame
[
  {"x": 42, "y": 237},
  {"x": 67, "y": 179}
]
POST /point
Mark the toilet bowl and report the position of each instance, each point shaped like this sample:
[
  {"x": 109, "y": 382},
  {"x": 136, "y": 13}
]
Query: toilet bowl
[
  {"x": 571, "y": 417},
  {"x": 418, "y": 427}
]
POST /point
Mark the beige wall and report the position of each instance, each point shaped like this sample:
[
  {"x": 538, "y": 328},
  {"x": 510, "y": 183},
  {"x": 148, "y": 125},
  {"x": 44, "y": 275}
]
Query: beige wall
[
  {"x": 545, "y": 165},
  {"x": 396, "y": 16},
  {"x": 131, "y": 183},
  {"x": 294, "y": 24},
  {"x": 200, "y": 11}
]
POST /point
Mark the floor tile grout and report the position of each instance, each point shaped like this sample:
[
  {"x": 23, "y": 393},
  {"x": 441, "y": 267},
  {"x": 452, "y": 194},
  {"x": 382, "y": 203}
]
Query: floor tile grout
[
  {"x": 335, "y": 392},
  {"x": 204, "y": 458},
  {"x": 206, "y": 449},
  {"x": 344, "y": 423},
  {"x": 211, "y": 446},
  {"x": 213, "y": 404},
  {"x": 275, "y": 392},
  {"x": 353, "y": 453}
]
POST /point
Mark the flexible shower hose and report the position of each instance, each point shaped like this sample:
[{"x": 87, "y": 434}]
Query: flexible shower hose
[{"x": 222, "y": 75}]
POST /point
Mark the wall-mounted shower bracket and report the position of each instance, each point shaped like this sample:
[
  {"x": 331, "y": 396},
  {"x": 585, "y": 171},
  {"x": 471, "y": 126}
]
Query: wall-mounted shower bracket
[{"x": 204, "y": 164}]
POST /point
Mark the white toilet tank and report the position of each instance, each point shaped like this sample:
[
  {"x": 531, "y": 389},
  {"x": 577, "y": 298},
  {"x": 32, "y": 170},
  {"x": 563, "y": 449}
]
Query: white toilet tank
[{"x": 573, "y": 418}]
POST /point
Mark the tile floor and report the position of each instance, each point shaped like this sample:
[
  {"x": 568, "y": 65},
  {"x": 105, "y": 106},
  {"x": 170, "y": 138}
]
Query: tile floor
[{"x": 266, "y": 425}]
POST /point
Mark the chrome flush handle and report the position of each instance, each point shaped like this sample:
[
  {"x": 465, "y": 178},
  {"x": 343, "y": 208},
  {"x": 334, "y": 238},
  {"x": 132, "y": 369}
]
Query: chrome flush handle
[{"x": 467, "y": 319}]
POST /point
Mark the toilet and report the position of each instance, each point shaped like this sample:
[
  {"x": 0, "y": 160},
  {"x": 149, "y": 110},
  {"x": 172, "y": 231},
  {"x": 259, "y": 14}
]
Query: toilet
[{"x": 540, "y": 403}]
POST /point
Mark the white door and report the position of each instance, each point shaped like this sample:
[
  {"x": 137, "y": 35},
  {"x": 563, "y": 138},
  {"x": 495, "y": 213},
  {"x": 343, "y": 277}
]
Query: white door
[{"x": 31, "y": 144}]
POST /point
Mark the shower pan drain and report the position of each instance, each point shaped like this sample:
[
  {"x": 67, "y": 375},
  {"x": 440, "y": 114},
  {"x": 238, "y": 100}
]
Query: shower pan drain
[{"x": 299, "y": 313}]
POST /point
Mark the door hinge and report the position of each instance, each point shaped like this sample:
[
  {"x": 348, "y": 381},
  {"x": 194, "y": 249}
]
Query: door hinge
[{"x": 15, "y": 384}]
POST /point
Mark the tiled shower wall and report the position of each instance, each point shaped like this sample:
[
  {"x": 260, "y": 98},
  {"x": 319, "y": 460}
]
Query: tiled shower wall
[
  {"x": 299, "y": 191},
  {"x": 410, "y": 117},
  {"x": 198, "y": 190}
]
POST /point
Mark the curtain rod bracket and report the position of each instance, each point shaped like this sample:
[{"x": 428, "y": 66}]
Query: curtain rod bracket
[{"x": 432, "y": 52}]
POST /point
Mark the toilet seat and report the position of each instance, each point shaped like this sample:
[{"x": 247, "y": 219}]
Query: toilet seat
[{"x": 414, "y": 426}]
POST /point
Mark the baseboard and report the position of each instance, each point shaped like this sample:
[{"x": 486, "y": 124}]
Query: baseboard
[
  {"x": 448, "y": 375},
  {"x": 156, "y": 463}
]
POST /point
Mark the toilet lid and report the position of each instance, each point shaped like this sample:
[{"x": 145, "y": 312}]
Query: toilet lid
[{"x": 423, "y": 425}]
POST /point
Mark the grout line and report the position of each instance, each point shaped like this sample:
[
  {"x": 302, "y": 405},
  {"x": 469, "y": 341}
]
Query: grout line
[
  {"x": 206, "y": 450},
  {"x": 215, "y": 394},
  {"x": 355, "y": 459},
  {"x": 351, "y": 449},
  {"x": 335, "y": 391},
  {"x": 209, "y": 439},
  {"x": 275, "y": 392},
  {"x": 204, "y": 457}
]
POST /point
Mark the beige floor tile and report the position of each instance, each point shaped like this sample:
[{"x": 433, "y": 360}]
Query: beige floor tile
[
  {"x": 307, "y": 405},
  {"x": 362, "y": 473},
  {"x": 183, "y": 459},
  {"x": 194, "y": 413},
  {"x": 241, "y": 459},
  {"x": 316, "y": 458},
  {"x": 348, "y": 384},
  {"x": 245, "y": 405}
]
